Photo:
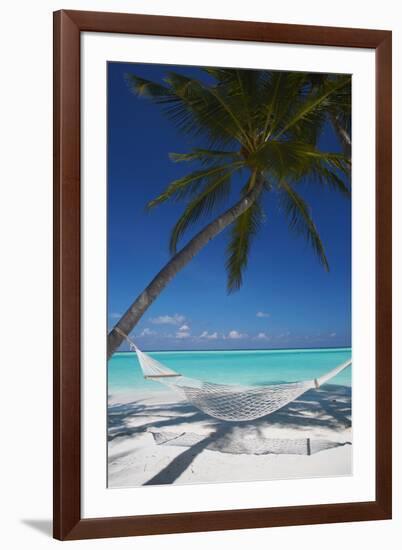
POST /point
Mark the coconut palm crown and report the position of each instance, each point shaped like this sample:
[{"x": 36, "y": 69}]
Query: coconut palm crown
[{"x": 263, "y": 126}]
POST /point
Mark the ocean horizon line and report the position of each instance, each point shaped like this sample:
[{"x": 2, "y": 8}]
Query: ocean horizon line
[{"x": 243, "y": 350}]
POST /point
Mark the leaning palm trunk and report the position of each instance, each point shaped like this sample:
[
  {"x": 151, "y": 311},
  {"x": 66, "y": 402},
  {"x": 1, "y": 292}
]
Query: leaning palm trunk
[
  {"x": 343, "y": 135},
  {"x": 140, "y": 305}
]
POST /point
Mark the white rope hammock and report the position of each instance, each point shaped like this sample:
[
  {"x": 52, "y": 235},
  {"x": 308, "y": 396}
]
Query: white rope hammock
[{"x": 229, "y": 402}]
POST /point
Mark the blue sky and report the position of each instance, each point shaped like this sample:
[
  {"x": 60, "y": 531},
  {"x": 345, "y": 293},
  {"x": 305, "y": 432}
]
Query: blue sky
[{"x": 287, "y": 299}]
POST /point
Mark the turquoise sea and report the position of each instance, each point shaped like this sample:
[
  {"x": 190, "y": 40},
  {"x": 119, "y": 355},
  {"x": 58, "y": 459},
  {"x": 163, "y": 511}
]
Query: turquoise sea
[{"x": 249, "y": 367}]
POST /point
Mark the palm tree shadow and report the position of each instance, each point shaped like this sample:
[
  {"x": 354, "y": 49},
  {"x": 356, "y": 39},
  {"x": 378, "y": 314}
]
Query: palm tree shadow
[
  {"x": 328, "y": 407},
  {"x": 338, "y": 409},
  {"x": 119, "y": 417},
  {"x": 179, "y": 464}
]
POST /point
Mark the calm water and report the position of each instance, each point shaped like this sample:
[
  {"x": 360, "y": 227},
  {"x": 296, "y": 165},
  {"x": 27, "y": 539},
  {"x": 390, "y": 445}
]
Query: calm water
[{"x": 231, "y": 367}]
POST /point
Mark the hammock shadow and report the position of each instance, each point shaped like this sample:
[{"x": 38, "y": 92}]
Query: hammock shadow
[
  {"x": 182, "y": 462},
  {"x": 328, "y": 407}
]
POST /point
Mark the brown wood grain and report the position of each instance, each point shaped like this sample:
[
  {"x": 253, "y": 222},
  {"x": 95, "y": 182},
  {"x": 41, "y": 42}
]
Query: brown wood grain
[
  {"x": 68, "y": 26},
  {"x": 67, "y": 417}
]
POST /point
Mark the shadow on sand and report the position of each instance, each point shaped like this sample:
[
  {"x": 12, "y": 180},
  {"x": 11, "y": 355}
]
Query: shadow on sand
[{"x": 328, "y": 407}]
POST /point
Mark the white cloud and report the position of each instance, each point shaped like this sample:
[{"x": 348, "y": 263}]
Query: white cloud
[
  {"x": 182, "y": 334},
  {"x": 147, "y": 332},
  {"x": 175, "y": 319},
  {"x": 262, "y": 314},
  {"x": 262, "y": 336},
  {"x": 209, "y": 336},
  {"x": 332, "y": 334},
  {"x": 235, "y": 335},
  {"x": 115, "y": 315}
]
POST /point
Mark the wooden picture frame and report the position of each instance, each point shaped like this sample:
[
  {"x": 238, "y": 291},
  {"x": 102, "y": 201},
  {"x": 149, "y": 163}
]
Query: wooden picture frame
[{"x": 68, "y": 523}]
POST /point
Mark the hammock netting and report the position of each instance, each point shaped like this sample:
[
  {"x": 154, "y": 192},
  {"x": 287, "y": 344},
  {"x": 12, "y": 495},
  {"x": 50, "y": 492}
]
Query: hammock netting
[
  {"x": 236, "y": 403},
  {"x": 250, "y": 446},
  {"x": 230, "y": 402}
]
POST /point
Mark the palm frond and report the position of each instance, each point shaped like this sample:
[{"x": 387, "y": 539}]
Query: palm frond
[
  {"x": 311, "y": 107},
  {"x": 207, "y": 108},
  {"x": 280, "y": 92},
  {"x": 242, "y": 232},
  {"x": 239, "y": 116},
  {"x": 187, "y": 104},
  {"x": 206, "y": 156},
  {"x": 294, "y": 161},
  {"x": 214, "y": 193},
  {"x": 190, "y": 184},
  {"x": 301, "y": 222},
  {"x": 326, "y": 177},
  {"x": 146, "y": 88},
  {"x": 271, "y": 102}
]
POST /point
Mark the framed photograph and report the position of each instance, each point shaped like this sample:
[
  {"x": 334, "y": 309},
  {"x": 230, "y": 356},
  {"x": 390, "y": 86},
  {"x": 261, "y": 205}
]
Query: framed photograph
[{"x": 222, "y": 308}]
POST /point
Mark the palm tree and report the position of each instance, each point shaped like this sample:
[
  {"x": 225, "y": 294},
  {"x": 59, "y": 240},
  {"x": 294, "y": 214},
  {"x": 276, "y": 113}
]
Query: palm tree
[
  {"x": 339, "y": 111},
  {"x": 263, "y": 125}
]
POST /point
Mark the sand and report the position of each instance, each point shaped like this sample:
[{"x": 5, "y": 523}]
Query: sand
[{"x": 199, "y": 449}]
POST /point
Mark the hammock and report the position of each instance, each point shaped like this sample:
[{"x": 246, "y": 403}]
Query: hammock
[{"x": 229, "y": 402}]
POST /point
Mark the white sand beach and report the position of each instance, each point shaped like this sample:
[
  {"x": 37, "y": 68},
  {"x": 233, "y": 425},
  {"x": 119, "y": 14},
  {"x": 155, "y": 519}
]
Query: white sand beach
[{"x": 156, "y": 438}]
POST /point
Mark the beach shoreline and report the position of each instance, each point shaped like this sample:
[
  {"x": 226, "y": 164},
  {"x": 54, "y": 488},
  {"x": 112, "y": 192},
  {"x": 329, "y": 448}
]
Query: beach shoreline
[{"x": 156, "y": 438}]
